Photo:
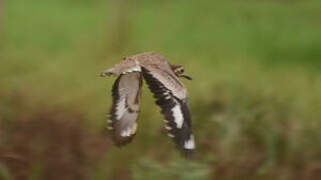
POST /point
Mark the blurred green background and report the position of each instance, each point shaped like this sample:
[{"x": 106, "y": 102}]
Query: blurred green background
[{"x": 255, "y": 97}]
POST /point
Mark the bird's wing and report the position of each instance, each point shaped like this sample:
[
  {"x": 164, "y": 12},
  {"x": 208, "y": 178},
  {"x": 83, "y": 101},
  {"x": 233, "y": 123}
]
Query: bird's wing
[
  {"x": 124, "y": 114},
  {"x": 171, "y": 97}
]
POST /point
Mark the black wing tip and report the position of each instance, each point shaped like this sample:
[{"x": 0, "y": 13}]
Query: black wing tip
[
  {"x": 120, "y": 142},
  {"x": 189, "y": 153}
]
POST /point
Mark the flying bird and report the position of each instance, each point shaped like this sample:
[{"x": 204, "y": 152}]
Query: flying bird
[{"x": 170, "y": 93}]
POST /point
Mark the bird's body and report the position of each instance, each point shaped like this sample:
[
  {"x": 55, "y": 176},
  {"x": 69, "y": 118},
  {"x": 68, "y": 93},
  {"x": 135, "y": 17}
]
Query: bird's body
[
  {"x": 144, "y": 59},
  {"x": 171, "y": 94}
]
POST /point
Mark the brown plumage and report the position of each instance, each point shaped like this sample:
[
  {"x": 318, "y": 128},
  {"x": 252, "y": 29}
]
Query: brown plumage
[{"x": 170, "y": 93}]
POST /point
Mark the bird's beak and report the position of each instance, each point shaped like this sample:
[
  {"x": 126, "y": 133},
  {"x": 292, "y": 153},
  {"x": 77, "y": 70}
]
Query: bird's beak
[{"x": 186, "y": 77}]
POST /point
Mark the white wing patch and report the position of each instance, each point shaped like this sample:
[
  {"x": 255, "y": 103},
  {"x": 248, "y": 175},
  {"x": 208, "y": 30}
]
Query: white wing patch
[
  {"x": 178, "y": 116},
  {"x": 126, "y": 132},
  {"x": 190, "y": 143},
  {"x": 121, "y": 108},
  {"x": 129, "y": 131}
]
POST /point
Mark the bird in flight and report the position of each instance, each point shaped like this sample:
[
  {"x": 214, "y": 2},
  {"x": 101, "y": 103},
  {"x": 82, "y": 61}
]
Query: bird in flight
[{"x": 170, "y": 93}]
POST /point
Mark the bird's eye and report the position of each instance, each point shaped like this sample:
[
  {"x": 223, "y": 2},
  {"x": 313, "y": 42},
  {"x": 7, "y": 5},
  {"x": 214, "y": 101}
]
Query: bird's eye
[{"x": 180, "y": 71}]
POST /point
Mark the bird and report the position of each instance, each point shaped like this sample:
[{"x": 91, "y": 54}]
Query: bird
[{"x": 163, "y": 80}]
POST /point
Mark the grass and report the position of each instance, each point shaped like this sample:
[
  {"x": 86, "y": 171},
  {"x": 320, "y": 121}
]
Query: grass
[{"x": 255, "y": 98}]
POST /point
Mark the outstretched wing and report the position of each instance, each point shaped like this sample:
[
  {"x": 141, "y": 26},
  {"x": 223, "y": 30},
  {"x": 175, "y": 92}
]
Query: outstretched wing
[
  {"x": 171, "y": 97},
  {"x": 124, "y": 113}
]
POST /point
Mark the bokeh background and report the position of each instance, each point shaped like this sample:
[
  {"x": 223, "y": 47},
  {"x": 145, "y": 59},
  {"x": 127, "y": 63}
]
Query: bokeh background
[{"x": 255, "y": 97}]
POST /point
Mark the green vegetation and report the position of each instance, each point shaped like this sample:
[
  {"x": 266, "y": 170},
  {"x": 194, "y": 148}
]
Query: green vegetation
[{"x": 255, "y": 97}]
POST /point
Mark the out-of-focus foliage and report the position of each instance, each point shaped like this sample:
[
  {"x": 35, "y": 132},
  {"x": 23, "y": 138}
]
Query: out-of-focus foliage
[{"x": 255, "y": 97}]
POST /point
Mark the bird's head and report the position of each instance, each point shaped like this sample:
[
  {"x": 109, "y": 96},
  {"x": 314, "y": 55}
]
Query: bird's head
[{"x": 179, "y": 71}]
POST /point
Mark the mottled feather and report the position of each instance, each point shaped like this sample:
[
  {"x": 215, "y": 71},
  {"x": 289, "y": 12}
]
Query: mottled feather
[{"x": 125, "y": 109}]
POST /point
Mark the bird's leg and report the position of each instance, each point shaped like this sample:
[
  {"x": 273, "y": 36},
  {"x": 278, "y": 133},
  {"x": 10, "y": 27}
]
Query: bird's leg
[{"x": 107, "y": 72}]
